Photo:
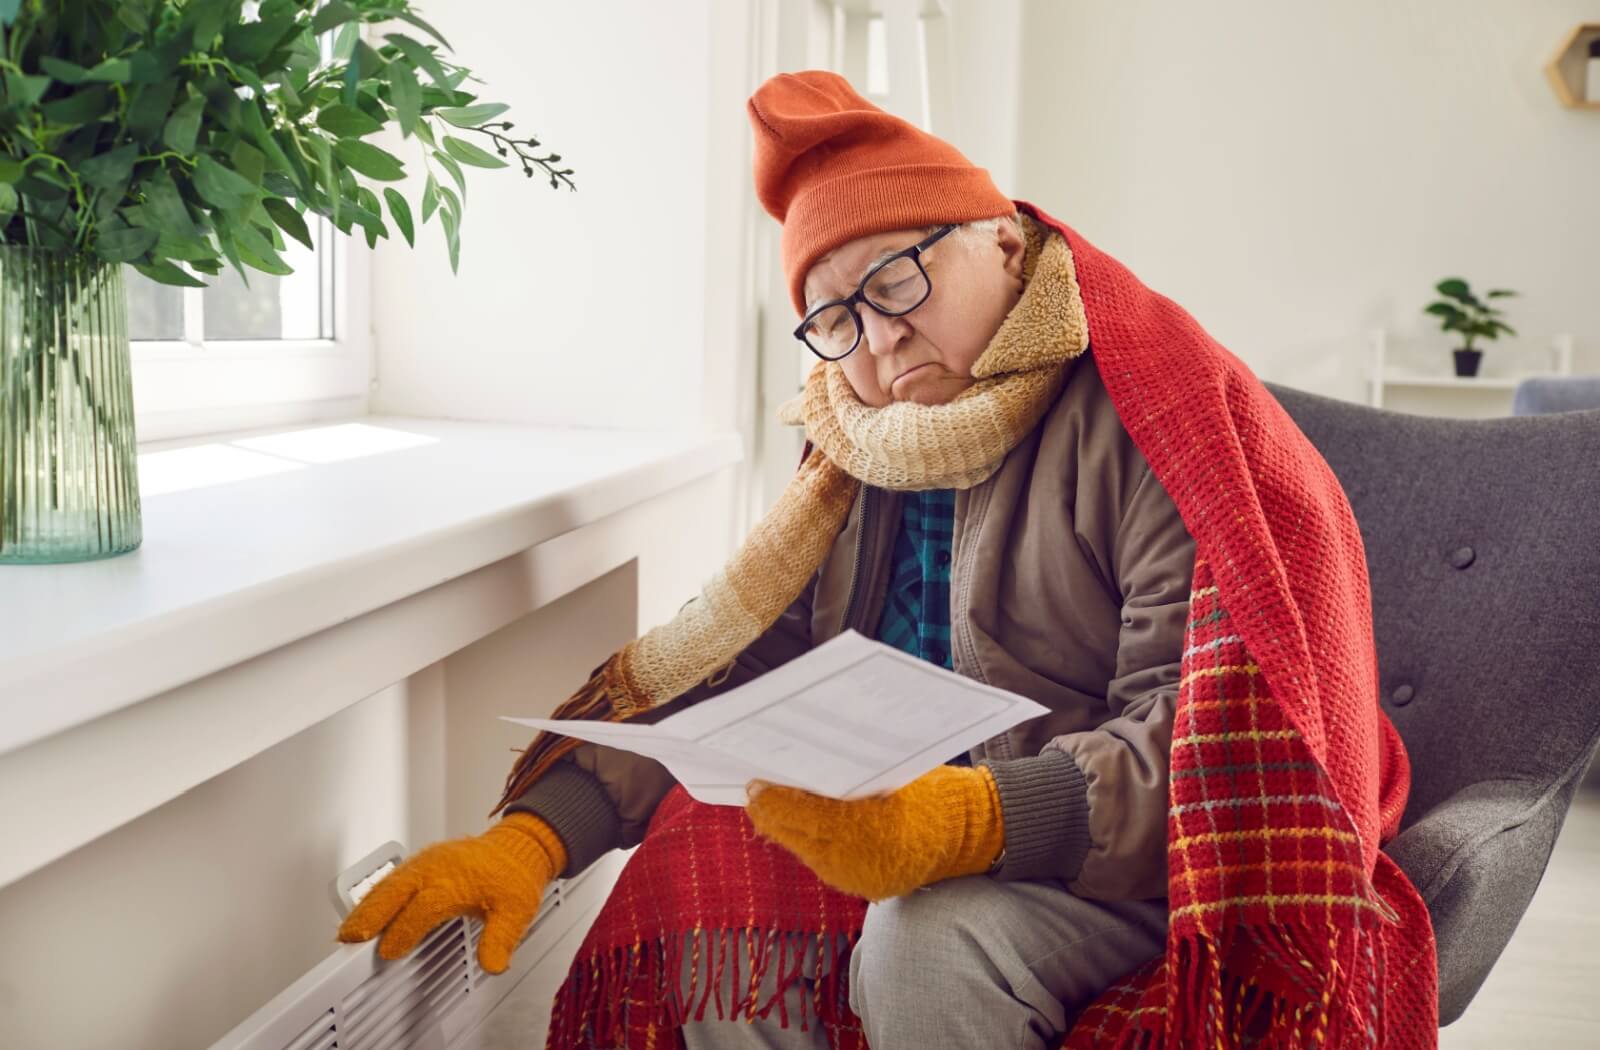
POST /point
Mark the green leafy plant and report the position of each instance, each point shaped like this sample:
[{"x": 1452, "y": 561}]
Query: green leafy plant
[
  {"x": 1462, "y": 311},
  {"x": 175, "y": 135}
]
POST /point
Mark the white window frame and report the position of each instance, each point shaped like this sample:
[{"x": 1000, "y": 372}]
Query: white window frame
[{"x": 191, "y": 386}]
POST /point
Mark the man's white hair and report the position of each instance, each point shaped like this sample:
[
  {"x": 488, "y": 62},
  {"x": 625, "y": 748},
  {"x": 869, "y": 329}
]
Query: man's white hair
[
  {"x": 979, "y": 231},
  {"x": 973, "y": 233}
]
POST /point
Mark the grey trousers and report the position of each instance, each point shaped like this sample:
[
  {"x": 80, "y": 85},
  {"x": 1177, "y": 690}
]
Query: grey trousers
[{"x": 966, "y": 962}]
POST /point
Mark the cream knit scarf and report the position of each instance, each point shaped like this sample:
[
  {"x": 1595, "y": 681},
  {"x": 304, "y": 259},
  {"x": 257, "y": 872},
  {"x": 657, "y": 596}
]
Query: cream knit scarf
[{"x": 900, "y": 446}]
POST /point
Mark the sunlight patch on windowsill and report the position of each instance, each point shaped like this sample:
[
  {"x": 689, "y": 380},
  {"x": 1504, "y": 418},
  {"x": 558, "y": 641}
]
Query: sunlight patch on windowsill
[{"x": 221, "y": 462}]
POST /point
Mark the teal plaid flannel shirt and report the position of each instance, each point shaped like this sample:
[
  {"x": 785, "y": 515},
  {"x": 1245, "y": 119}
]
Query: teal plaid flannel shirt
[{"x": 916, "y": 613}]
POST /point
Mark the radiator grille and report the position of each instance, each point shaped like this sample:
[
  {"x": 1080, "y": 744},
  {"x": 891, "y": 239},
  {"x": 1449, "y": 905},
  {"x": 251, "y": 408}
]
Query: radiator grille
[{"x": 354, "y": 1000}]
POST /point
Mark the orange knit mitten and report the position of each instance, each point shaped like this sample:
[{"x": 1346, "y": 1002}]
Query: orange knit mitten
[
  {"x": 499, "y": 876},
  {"x": 945, "y": 823}
]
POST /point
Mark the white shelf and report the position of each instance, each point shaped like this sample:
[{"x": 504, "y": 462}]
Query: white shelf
[
  {"x": 1381, "y": 377},
  {"x": 1466, "y": 382}
]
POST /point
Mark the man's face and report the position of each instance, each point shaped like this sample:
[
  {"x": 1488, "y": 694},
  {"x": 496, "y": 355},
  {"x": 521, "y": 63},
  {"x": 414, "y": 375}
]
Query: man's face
[{"x": 925, "y": 356}]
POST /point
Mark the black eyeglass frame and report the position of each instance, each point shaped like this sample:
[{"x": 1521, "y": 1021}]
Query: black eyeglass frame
[{"x": 859, "y": 295}]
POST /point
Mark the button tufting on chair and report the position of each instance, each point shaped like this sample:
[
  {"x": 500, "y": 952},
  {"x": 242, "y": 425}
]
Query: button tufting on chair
[{"x": 1493, "y": 768}]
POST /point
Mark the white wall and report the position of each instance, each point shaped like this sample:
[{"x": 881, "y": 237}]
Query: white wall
[
  {"x": 1294, "y": 173},
  {"x": 598, "y": 307},
  {"x": 165, "y": 933}
]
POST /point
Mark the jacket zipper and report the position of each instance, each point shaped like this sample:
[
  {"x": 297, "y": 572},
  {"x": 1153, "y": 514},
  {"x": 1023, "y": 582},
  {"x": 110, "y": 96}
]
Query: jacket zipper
[
  {"x": 977, "y": 508},
  {"x": 860, "y": 559}
]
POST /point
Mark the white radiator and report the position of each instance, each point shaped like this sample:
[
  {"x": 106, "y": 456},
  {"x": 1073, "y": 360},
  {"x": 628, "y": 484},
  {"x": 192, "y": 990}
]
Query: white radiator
[{"x": 428, "y": 1000}]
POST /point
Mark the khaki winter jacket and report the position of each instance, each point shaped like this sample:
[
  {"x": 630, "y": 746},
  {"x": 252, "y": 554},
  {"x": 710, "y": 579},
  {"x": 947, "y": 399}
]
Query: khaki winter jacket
[{"x": 1069, "y": 585}]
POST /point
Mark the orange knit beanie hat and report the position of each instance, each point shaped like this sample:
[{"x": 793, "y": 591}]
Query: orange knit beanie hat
[{"x": 832, "y": 167}]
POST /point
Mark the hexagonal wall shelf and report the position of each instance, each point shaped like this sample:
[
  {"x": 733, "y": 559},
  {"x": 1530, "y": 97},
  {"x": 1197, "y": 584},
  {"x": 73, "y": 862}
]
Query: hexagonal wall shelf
[{"x": 1566, "y": 68}]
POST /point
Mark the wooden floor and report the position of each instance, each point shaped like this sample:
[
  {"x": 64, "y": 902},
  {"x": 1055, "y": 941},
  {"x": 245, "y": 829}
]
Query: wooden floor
[{"x": 1544, "y": 992}]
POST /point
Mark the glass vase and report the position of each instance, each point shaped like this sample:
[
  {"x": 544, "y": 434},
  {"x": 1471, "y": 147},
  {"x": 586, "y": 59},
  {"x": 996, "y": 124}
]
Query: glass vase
[{"x": 69, "y": 476}]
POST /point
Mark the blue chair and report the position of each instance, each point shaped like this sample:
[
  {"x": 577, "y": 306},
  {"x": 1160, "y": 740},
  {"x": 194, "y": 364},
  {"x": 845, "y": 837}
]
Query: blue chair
[{"x": 1546, "y": 394}]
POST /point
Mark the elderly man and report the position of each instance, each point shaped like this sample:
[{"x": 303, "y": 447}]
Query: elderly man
[{"x": 984, "y": 490}]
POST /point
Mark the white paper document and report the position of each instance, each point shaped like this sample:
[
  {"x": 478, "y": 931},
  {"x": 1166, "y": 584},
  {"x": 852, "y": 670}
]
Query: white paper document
[{"x": 851, "y": 718}]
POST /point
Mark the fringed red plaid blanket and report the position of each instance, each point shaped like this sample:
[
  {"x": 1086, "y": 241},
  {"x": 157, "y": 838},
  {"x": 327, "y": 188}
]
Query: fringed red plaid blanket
[
  {"x": 1285, "y": 918},
  {"x": 624, "y": 988}
]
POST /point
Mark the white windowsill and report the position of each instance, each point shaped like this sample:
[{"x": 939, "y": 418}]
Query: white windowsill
[{"x": 231, "y": 570}]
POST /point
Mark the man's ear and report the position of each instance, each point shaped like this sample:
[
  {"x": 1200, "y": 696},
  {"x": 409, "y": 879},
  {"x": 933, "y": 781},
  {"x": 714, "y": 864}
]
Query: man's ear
[{"x": 1013, "y": 246}]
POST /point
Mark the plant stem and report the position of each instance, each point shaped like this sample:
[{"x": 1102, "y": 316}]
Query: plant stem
[
  {"x": 181, "y": 159},
  {"x": 501, "y": 143},
  {"x": 77, "y": 186}
]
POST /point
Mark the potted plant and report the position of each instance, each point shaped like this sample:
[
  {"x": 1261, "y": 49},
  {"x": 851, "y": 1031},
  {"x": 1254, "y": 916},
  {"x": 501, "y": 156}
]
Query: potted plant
[
  {"x": 178, "y": 137},
  {"x": 1461, "y": 311}
]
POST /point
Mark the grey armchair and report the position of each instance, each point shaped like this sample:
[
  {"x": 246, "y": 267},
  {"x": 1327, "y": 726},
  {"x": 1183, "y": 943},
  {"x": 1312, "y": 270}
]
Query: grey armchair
[
  {"x": 1570, "y": 393},
  {"x": 1484, "y": 559}
]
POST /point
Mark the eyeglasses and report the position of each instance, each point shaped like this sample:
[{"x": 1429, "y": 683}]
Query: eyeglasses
[{"x": 893, "y": 287}]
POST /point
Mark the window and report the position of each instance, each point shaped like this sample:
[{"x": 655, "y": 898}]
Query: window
[
  {"x": 296, "y": 307},
  {"x": 234, "y": 356},
  {"x": 237, "y": 355}
]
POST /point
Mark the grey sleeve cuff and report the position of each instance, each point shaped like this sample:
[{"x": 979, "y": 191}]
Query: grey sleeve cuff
[
  {"x": 1045, "y": 802},
  {"x": 575, "y": 805}
]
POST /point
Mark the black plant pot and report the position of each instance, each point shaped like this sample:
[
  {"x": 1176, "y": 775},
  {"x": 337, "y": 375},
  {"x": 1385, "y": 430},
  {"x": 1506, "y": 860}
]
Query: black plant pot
[{"x": 1467, "y": 361}]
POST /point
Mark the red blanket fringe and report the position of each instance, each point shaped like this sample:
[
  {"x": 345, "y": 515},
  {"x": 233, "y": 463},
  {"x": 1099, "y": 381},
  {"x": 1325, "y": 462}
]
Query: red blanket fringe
[{"x": 630, "y": 984}]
